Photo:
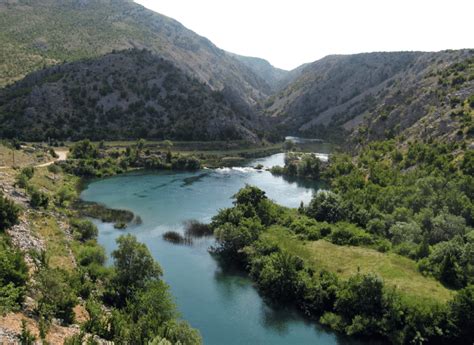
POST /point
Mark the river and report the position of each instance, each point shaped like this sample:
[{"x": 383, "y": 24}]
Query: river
[{"x": 224, "y": 306}]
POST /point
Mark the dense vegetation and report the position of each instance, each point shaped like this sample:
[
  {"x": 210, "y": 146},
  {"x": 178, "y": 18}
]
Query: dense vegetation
[
  {"x": 306, "y": 166},
  {"x": 13, "y": 277},
  {"x": 414, "y": 202},
  {"x": 90, "y": 160}
]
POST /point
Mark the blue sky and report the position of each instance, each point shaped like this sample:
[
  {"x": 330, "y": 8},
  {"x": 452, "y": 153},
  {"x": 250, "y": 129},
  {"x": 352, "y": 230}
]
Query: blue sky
[{"x": 289, "y": 33}]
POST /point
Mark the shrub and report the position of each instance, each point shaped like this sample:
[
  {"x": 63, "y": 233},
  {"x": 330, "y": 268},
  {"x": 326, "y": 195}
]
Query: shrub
[
  {"x": 91, "y": 255},
  {"x": 277, "y": 275},
  {"x": 176, "y": 238},
  {"x": 65, "y": 195},
  {"x": 349, "y": 234},
  {"x": 56, "y": 298},
  {"x": 8, "y": 213},
  {"x": 326, "y": 207},
  {"x": 84, "y": 229},
  {"x": 38, "y": 199},
  {"x": 84, "y": 150},
  {"x": 461, "y": 313},
  {"x": 197, "y": 229}
]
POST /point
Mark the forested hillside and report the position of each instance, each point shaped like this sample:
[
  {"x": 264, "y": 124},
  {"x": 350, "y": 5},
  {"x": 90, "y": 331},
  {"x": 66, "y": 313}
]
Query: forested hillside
[{"x": 121, "y": 95}]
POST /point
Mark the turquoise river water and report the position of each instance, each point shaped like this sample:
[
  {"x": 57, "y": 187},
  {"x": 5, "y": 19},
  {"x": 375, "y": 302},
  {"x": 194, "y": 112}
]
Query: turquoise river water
[{"x": 224, "y": 306}]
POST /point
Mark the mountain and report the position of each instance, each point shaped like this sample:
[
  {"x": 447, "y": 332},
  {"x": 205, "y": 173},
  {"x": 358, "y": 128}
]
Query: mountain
[
  {"x": 275, "y": 77},
  {"x": 122, "y": 95},
  {"x": 34, "y": 34},
  {"x": 379, "y": 95}
]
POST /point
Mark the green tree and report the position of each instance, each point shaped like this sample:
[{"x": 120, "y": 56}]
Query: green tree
[
  {"x": 249, "y": 195},
  {"x": 84, "y": 150},
  {"x": 326, "y": 207},
  {"x": 134, "y": 266},
  {"x": 278, "y": 277},
  {"x": 461, "y": 313}
]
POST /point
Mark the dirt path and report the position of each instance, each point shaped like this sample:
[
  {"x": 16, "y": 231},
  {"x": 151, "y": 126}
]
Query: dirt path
[{"x": 62, "y": 156}]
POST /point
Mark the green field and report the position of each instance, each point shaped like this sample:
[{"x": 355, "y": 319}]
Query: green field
[{"x": 397, "y": 271}]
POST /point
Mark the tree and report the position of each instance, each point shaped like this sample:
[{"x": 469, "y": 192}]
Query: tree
[
  {"x": 84, "y": 150},
  {"x": 446, "y": 226},
  {"x": 134, "y": 266},
  {"x": 249, "y": 195},
  {"x": 64, "y": 195},
  {"x": 179, "y": 332},
  {"x": 150, "y": 309},
  {"x": 360, "y": 295},
  {"x": 278, "y": 277},
  {"x": 450, "y": 272},
  {"x": 326, "y": 206},
  {"x": 405, "y": 232},
  {"x": 461, "y": 313},
  {"x": 233, "y": 238}
]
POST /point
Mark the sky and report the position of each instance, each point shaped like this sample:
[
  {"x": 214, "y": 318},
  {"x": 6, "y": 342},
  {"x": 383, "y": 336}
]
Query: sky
[{"x": 289, "y": 33}]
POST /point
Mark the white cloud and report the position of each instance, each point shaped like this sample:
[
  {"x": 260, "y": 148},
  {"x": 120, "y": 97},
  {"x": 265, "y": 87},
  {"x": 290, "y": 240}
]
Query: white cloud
[{"x": 289, "y": 33}]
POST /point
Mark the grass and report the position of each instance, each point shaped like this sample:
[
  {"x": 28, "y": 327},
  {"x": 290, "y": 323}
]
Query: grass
[
  {"x": 46, "y": 224},
  {"x": 57, "y": 247},
  {"x": 397, "y": 271},
  {"x": 22, "y": 158}
]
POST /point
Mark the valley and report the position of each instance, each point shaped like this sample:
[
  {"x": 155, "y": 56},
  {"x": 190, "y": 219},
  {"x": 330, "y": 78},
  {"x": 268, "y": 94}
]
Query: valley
[{"x": 157, "y": 189}]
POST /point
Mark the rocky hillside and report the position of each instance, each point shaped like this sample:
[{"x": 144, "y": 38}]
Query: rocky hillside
[
  {"x": 275, "y": 77},
  {"x": 123, "y": 95},
  {"x": 38, "y": 33},
  {"x": 380, "y": 95}
]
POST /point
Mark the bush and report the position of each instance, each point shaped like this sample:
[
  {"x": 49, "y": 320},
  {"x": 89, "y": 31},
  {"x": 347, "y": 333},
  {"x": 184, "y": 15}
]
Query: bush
[
  {"x": 326, "y": 207},
  {"x": 56, "y": 297},
  {"x": 38, "y": 199},
  {"x": 176, "y": 238},
  {"x": 277, "y": 275},
  {"x": 84, "y": 229},
  {"x": 195, "y": 228},
  {"x": 84, "y": 150},
  {"x": 461, "y": 313},
  {"x": 10, "y": 297},
  {"x": 91, "y": 254},
  {"x": 349, "y": 234},
  {"x": 13, "y": 275},
  {"x": 65, "y": 195},
  {"x": 8, "y": 213}
]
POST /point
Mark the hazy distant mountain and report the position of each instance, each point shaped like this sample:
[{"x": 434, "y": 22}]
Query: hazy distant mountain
[
  {"x": 124, "y": 95},
  {"x": 275, "y": 77},
  {"x": 379, "y": 95},
  {"x": 36, "y": 33}
]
